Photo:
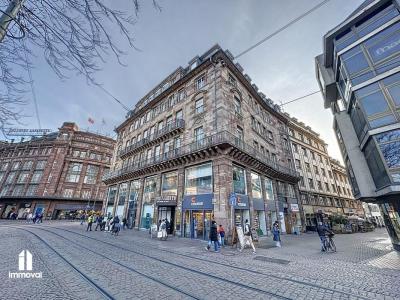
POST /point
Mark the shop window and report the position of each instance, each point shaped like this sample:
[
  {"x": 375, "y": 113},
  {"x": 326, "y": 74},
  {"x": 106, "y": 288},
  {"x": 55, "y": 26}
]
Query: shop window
[
  {"x": 198, "y": 179},
  {"x": 256, "y": 186},
  {"x": 36, "y": 176},
  {"x": 169, "y": 185},
  {"x": 269, "y": 191},
  {"x": 239, "y": 180}
]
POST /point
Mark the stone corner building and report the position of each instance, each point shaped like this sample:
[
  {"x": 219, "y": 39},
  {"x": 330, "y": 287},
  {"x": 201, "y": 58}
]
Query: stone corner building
[
  {"x": 204, "y": 133},
  {"x": 56, "y": 174}
]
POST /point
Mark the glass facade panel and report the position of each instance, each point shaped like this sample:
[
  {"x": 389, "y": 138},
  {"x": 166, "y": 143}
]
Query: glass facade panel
[
  {"x": 376, "y": 167},
  {"x": 374, "y": 103},
  {"x": 169, "y": 183},
  {"x": 256, "y": 186},
  {"x": 379, "y": 122},
  {"x": 269, "y": 191},
  {"x": 150, "y": 188},
  {"x": 199, "y": 179},
  {"x": 239, "y": 180}
]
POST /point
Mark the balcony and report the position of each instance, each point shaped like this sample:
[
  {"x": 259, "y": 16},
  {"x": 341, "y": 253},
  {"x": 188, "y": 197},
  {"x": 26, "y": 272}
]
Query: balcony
[
  {"x": 206, "y": 147},
  {"x": 160, "y": 135}
]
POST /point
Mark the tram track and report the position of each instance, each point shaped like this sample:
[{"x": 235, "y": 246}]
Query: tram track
[
  {"x": 300, "y": 282},
  {"x": 208, "y": 275},
  {"x": 88, "y": 279}
]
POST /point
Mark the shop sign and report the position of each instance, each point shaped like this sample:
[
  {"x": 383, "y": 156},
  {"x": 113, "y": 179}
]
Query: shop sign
[
  {"x": 200, "y": 202},
  {"x": 242, "y": 202},
  {"x": 294, "y": 207},
  {"x": 168, "y": 200}
]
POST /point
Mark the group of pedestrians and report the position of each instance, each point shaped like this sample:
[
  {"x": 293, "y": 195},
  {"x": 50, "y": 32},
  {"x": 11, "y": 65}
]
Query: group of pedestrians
[
  {"x": 35, "y": 218},
  {"x": 106, "y": 224},
  {"x": 216, "y": 237}
]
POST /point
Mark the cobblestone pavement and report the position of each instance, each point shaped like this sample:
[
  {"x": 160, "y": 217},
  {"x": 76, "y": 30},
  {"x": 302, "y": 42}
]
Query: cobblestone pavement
[{"x": 94, "y": 265}]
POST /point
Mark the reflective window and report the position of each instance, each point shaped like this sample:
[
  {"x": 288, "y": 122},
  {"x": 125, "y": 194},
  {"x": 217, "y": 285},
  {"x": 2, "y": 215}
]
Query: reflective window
[
  {"x": 239, "y": 180},
  {"x": 169, "y": 184},
  {"x": 375, "y": 165},
  {"x": 198, "y": 179},
  {"x": 256, "y": 186},
  {"x": 379, "y": 122},
  {"x": 150, "y": 188},
  {"x": 374, "y": 103},
  {"x": 123, "y": 190}
]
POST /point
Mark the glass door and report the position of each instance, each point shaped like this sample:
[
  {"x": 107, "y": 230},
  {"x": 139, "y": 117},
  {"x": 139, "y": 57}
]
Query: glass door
[
  {"x": 198, "y": 225},
  {"x": 207, "y": 224}
]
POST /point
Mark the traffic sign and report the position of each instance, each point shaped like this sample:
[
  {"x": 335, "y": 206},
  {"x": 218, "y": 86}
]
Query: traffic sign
[{"x": 232, "y": 199}]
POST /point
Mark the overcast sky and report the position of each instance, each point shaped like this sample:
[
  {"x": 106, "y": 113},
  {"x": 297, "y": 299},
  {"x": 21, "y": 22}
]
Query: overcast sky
[{"x": 282, "y": 68}]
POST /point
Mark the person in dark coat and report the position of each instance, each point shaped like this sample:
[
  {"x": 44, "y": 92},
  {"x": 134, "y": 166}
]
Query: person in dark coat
[
  {"x": 277, "y": 234},
  {"x": 214, "y": 235}
]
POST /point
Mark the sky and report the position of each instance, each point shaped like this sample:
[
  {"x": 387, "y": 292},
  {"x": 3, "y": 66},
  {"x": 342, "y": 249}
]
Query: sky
[{"x": 282, "y": 67}]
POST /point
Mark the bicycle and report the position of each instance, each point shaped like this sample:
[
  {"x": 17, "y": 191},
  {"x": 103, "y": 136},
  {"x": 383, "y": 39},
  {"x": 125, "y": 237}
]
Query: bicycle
[{"x": 329, "y": 245}]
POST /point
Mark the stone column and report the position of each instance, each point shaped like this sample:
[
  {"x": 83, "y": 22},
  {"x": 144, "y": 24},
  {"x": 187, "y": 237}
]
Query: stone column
[
  {"x": 179, "y": 199},
  {"x": 139, "y": 204},
  {"x": 223, "y": 181},
  {"x": 301, "y": 211},
  {"x": 116, "y": 200},
  {"x": 264, "y": 196}
]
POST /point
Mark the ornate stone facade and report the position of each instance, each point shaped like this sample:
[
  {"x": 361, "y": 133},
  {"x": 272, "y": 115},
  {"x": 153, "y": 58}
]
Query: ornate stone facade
[{"x": 55, "y": 174}]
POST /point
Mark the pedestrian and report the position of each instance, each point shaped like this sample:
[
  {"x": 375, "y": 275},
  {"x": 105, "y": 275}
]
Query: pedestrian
[
  {"x": 90, "y": 222},
  {"x": 277, "y": 234},
  {"x": 322, "y": 231},
  {"x": 247, "y": 237},
  {"x": 82, "y": 218},
  {"x": 168, "y": 226},
  {"x": 124, "y": 224},
  {"x": 115, "y": 226},
  {"x": 29, "y": 218},
  {"x": 213, "y": 237},
  {"x": 163, "y": 228},
  {"x": 99, "y": 221},
  {"x": 40, "y": 218},
  {"x": 221, "y": 233}
]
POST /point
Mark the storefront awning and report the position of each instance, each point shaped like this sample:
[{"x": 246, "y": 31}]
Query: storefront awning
[{"x": 198, "y": 202}]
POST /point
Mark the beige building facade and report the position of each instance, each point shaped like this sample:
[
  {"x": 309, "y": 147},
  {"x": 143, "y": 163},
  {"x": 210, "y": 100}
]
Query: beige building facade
[
  {"x": 324, "y": 186},
  {"x": 204, "y": 145}
]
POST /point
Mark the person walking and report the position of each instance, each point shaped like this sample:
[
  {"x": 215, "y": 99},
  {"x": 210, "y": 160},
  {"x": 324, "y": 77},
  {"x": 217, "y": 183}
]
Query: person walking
[
  {"x": 124, "y": 224},
  {"x": 99, "y": 222},
  {"x": 221, "y": 233},
  {"x": 247, "y": 237},
  {"x": 82, "y": 218},
  {"x": 115, "y": 225},
  {"x": 213, "y": 237},
  {"x": 277, "y": 234},
  {"x": 163, "y": 228},
  {"x": 29, "y": 218},
  {"x": 90, "y": 222}
]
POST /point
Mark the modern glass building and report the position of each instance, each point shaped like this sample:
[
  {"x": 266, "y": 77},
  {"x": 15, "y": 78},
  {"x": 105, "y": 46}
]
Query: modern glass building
[{"x": 359, "y": 77}]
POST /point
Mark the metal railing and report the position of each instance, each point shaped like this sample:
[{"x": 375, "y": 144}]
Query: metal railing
[
  {"x": 223, "y": 137},
  {"x": 177, "y": 124}
]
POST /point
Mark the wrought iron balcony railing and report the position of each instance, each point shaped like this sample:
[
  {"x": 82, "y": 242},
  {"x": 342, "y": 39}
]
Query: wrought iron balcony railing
[
  {"x": 223, "y": 137},
  {"x": 169, "y": 128}
]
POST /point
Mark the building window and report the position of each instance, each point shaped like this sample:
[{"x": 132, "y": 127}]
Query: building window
[
  {"x": 238, "y": 105},
  {"x": 150, "y": 188},
  {"x": 157, "y": 152},
  {"x": 160, "y": 126},
  {"x": 327, "y": 187},
  {"x": 199, "y": 179},
  {"x": 270, "y": 136},
  {"x": 308, "y": 169},
  {"x": 23, "y": 177},
  {"x": 199, "y": 105},
  {"x": 179, "y": 115},
  {"x": 86, "y": 194},
  {"x": 239, "y": 180},
  {"x": 199, "y": 134},
  {"x": 31, "y": 191},
  {"x": 169, "y": 185},
  {"x": 269, "y": 191},
  {"x": 169, "y": 120},
  {"x": 177, "y": 142},
  {"x": 304, "y": 151},
  {"x": 27, "y": 165},
  {"x": 298, "y": 164},
  {"x": 91, "y": 174},
  {"x": 37, "y": 175},
  {"x": 40, "y": 165},
  {"x": 18, "y": 190},
  {"x": 295, "y": 148},
  {"x": 15, "y": 165},
  {"x": 255, "y": 145},
  {"x": 68, "y": 193},
  {"x": 301, "y": 181},
  {"x": 323, "y": 172},
  {"x": 239, "y": 133},
  {"x": 256, "y": 191},
  {"x": 316, "y": 170},
  {"x": 200, "y": 82},
  {"x": 74, "y": 172},
  {"x": 310, "y": 183}
]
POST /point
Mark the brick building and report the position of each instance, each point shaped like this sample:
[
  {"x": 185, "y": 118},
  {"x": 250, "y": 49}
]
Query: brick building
[
  {"x": 324, "y": 186},
  {"x": 54, "y": 174},
  {"x": 204, "y": 133}
]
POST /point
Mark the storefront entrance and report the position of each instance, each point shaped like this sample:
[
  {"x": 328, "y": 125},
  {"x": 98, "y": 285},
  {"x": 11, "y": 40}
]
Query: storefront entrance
[
  {"x": 242, "y": 210},
  {"x": 167, "y": 213},
  {"x": 197, "y": 216}
]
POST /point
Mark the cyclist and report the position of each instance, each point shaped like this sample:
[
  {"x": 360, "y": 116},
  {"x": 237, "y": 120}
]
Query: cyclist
[{"x": 322, "y": 231}]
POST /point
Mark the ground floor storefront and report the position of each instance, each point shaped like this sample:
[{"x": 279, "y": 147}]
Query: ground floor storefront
[{"x": 55, "y": 209}]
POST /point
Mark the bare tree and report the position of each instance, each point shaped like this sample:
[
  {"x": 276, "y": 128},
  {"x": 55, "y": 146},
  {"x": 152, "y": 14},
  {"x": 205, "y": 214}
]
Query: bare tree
[{"x": 75, "y": 35}]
